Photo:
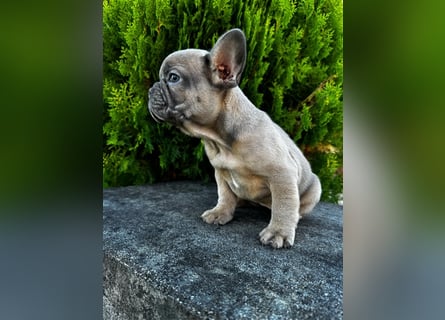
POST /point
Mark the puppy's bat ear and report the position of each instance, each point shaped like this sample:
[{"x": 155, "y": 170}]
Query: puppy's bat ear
[{"x": 228, "y": 58}]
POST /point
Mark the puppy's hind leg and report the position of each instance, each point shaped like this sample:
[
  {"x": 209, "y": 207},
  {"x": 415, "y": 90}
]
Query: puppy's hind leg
[{"x": 310, "y": 197}]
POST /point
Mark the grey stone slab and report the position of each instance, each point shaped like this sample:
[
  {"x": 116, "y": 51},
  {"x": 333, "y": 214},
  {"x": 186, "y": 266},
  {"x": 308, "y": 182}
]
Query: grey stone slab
[{"x": 161, "y": 261}]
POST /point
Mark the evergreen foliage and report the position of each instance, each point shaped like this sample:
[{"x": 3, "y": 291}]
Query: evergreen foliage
[{"x": 294, "y": 72}]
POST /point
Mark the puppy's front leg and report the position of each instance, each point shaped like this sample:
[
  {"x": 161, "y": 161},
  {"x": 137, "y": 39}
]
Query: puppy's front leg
[
  {"x": 227, "y": 200},
  {"x": 285, "y": 205}
]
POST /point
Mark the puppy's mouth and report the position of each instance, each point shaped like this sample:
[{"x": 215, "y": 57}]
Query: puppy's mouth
[{"x": 162, "y": 107}]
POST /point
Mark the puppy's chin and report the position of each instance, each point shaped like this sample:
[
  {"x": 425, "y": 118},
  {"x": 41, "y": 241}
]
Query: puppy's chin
[
  {"x": 156, "y": 117},
  {"x": 168, "y": 115}
]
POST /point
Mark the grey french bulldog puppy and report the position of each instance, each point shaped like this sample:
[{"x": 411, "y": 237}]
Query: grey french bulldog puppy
[{"x": 254, "y": 159}]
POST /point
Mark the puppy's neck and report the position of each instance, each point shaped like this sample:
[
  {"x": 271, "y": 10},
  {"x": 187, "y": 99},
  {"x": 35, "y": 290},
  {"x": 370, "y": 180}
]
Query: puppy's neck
[
  {"x": 202, "y": 132},
  {"x": 234, "y": 100},
  {"x": 235, "y": 116},
  {"x": 238, "y": 105},
  {"x": 228, "y": 98}
]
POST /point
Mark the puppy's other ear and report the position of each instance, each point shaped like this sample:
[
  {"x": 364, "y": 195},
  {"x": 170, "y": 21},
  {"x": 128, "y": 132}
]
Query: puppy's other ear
[{"x": 228, "y": 58}]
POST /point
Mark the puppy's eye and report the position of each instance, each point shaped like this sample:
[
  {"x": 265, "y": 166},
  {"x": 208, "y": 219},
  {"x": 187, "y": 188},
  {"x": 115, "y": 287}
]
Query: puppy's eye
[{"x": 173, "y": 77}]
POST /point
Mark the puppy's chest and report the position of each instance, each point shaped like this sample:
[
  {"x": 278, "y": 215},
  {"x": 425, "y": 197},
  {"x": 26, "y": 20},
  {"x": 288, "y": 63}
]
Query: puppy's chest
[
  {"x": 239, "y": 176},
  {"x": 222, "y": 158}
]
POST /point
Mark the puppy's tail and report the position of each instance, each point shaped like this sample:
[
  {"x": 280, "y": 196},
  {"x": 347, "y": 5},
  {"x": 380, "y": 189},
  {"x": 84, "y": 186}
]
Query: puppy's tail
[{"x": 311, "y": 196}]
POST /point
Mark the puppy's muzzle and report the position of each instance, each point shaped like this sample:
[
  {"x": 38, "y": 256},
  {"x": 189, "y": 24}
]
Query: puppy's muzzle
[
  {"x": 161, "y": 105},
  {"x": 157, "y": 103}
]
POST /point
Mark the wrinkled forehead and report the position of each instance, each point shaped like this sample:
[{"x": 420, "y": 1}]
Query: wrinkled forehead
[{"x": 188, "y": 59}]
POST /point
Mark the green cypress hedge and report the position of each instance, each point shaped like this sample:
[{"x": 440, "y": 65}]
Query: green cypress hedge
[{"x": 294, "y": 72}]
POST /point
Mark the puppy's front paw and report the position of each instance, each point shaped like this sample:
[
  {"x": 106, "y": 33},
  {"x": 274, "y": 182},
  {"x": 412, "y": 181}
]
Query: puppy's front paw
[
  {"x": 277, "y": 237},
  {"x": 217, "y": 216}
]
